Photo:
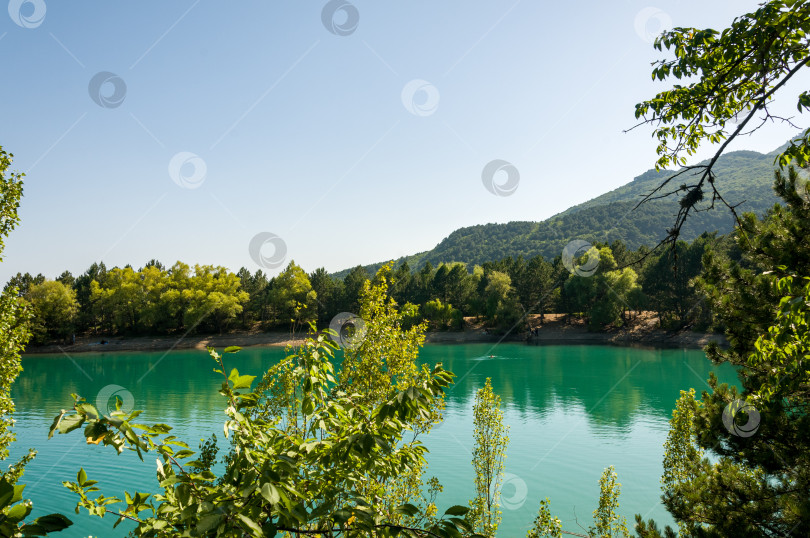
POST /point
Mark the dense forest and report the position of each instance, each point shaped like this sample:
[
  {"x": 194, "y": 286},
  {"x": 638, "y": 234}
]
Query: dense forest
[{"x": 602, "y": 284}]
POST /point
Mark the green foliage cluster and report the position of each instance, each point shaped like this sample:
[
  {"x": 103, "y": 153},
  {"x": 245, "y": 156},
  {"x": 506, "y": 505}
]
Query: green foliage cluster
[
  {"x": 607, "y": 293},
  {"x": 442, "y": 315},
  {"x": 740, "y": 287},
  {"x": 314, "y": 475},
  {"x": 54, "y": 308},
  {"x": 731, "y": 75},
  {"x": 155, "y": 300},
  {"x": 151, "y": 300},
  {"x": 126, "y": 301},
  {"x": 758, "y": 481},
  {"x": 14, "y": 334},
  {"x": 736, "y": 461}
]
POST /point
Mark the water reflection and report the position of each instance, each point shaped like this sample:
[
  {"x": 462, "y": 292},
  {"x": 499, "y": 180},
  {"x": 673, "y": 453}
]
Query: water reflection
[
  {"x": 573, "y": 410},
  {"x": 611, "y": 383}
]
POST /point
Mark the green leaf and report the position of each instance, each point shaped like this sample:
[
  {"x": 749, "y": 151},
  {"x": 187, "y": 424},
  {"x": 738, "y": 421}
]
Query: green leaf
[
  {"x": 183, "y": 492},
  {"x": 6, "y": 493},
  {"x": 18, "y": 492},
  {"x": 55, "y": 423},
  {"x": 207, "y": 523},
  {"x": 50, "y": 523},
  {"x": 456, "y": 510},
  {"x": 88, "y": 410},
  {"x": 70, "y": 423},
  {"x": 243, "y": 381},
  {"x": 81, "y": 476},
  {"x": 252, "y": 525},
  {"x": 341, "y": 516},
  {"x": 18, "y": 512},
  {"x": 270, "y": 493},
  {"x": 231, "y": 349},
  {"x": 240, "y": 381},
  {"x": 407, "y": 509}
]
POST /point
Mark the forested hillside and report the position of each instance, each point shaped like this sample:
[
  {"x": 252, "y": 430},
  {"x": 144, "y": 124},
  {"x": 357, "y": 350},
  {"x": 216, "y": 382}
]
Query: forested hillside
[{"x": 744, "y": 177}]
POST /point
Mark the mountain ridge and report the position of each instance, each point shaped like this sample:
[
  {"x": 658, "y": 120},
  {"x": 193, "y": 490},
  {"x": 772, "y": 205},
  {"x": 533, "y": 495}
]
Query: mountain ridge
[{"x": 744, "y": 177}]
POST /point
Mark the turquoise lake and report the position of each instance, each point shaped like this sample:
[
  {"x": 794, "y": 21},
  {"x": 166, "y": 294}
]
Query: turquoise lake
[{"x": 572, "y": 411}]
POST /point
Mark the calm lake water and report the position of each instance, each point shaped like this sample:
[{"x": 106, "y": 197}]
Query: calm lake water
[{"x": 572, "y": 410}]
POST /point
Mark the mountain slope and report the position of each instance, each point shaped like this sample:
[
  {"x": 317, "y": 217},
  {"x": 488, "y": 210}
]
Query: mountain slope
[{"x": 743, "y": 177}]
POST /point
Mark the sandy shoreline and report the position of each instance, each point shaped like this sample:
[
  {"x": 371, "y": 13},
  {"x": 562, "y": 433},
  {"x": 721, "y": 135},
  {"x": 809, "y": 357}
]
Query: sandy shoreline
[
  {"x": 92, "y": 344},
  {"x": 654, "y": 337},
  {"x": 580, "y": 335},
  {"x": 551, "y": 334}
]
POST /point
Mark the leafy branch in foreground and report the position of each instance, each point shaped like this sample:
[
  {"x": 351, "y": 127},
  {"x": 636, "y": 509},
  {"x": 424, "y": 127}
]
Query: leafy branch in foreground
[
  {"x": 310, "y": 454},
  {"x": 14, "y": 334},
  {"x": 734, "y": 76},
  {"x": 276, "y": 480}
]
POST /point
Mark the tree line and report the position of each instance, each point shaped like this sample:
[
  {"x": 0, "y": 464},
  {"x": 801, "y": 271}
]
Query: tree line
[{"x": 604, "y": 285}]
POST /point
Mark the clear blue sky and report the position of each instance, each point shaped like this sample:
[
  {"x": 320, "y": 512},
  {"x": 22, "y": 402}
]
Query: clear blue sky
[{"x": 305, "y": 133}]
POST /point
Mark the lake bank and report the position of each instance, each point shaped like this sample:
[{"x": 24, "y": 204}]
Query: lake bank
[
  {"x": 650, "y": 337},
  {"x": 578, "y": 334},
  {"x": 550, "y": 333}
]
